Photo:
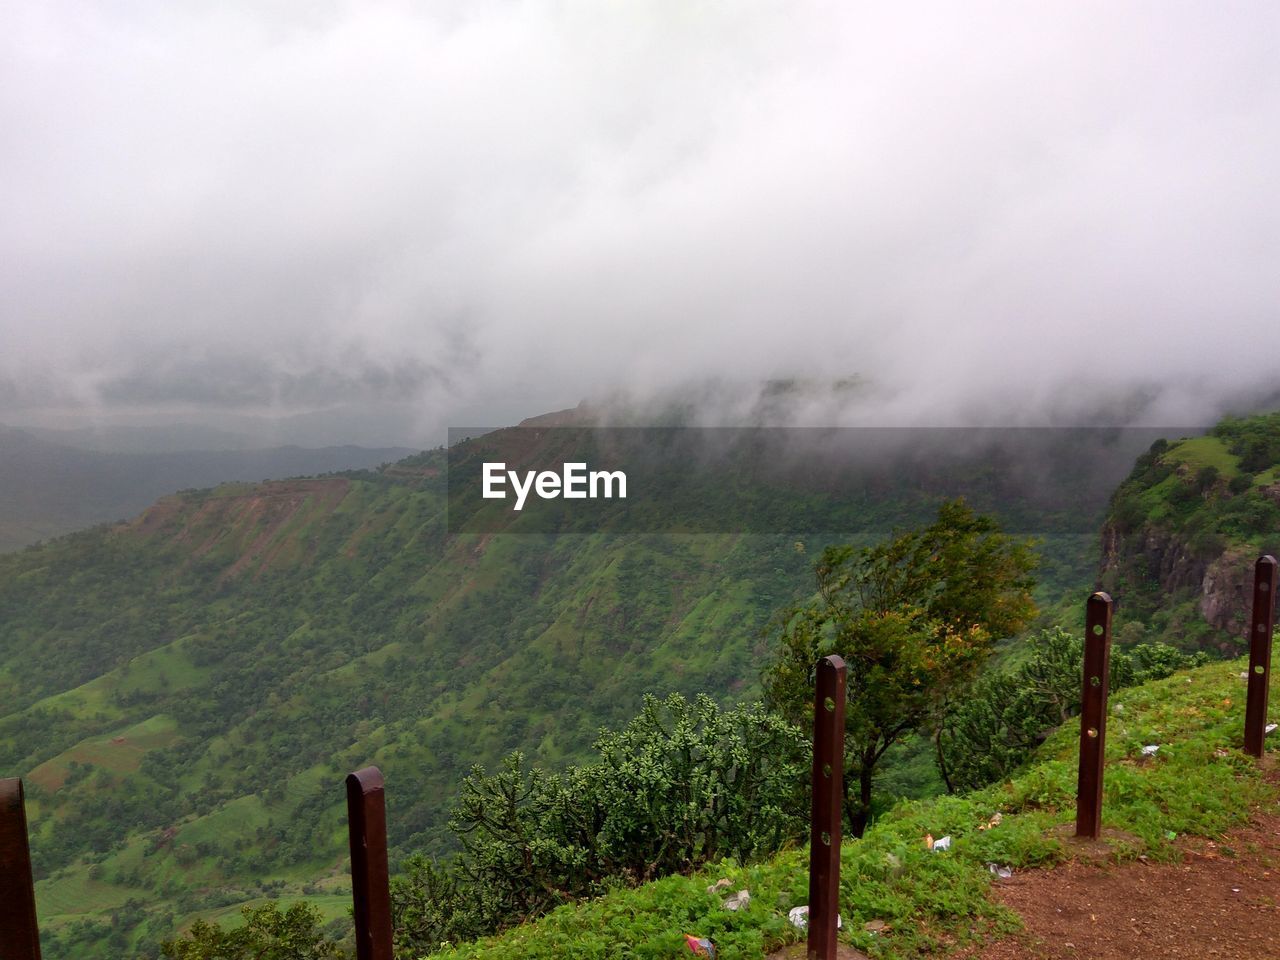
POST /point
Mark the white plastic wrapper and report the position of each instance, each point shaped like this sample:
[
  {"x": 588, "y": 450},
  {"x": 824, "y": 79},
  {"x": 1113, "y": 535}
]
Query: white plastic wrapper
[{"x": 799, "y": 917}]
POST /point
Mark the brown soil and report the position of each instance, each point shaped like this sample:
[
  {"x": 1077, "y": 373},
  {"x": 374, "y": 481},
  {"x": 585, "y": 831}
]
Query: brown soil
[
  {"x": 797, "y": 951},
  {"x": 1220, "y": 901}
]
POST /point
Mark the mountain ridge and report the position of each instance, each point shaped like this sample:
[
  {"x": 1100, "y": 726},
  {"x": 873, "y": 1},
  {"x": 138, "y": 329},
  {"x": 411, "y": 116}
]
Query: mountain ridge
[{"x": 48, "y": 489}]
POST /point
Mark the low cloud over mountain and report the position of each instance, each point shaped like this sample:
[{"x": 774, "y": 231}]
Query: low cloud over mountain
[{"x": 470, "y": 212}]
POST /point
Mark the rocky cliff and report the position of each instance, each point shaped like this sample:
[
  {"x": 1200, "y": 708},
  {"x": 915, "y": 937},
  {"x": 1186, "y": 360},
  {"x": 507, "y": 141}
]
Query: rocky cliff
[{"x": 1185, "y": 529}]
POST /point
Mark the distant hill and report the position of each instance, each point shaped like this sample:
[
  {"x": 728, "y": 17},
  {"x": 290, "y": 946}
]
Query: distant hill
[
  {"x": 48, "y": 488},
  {"x": 1184, "y": 530},
  {"x": 155, "y": 438}
]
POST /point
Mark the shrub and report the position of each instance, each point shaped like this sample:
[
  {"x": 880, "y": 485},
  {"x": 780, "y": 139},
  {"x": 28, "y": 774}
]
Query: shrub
[
  {"x": 683, "y": 784},
  {"x": 993, "y": 732}
]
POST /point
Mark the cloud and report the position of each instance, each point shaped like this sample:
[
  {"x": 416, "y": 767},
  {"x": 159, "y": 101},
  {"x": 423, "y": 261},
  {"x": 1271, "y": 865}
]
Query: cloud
[
  {"x": 492, "y": 209},
  {"x": 238, "y": 381}
]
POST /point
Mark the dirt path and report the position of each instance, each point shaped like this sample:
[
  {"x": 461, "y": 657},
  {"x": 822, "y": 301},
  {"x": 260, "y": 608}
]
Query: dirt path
[{"x": 1222, "y": 901}]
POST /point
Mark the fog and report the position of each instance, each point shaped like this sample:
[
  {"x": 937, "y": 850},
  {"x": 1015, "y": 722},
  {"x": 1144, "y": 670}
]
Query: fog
[{"x": 350, "y": 222}]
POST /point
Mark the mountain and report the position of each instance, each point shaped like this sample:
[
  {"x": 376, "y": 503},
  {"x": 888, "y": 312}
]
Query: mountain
[
  {"x": 185, "y": 691},
  {"x": 153, "y": 438},
  {"x": 49, "y": 488},
  {"x": 1184, "y": 529}
]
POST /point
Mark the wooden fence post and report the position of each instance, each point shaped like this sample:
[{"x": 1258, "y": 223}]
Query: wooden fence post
[
  {"x": 1093, "y": 715},
  {"x": 370, "y": 884},
  {"x": 19, "y": 933},
  {"x": 1262, "y": 624},
  {"x": 828, "y": 809}
]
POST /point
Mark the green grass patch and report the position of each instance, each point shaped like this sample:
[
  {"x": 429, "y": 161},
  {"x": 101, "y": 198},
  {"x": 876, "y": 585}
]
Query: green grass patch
[
  {"x": 1207, "y": 451},
  {"x": 71, "y": 895},
  {"x": 119, "y": 751}
]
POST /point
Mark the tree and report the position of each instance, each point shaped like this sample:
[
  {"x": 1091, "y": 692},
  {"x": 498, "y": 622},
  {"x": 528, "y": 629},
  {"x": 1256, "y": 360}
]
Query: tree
[
  {"x": 915, "y": 618},
  {"x": 267, "y": 934}
]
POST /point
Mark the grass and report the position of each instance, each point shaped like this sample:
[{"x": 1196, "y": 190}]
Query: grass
[
  {"x": 1267, "y": 477},
  {"x": 120, "y": 751},
  {"x": 1199, "y": 782},
  {"x": 75, "y": 893},
  {"x": 331, "y": 907},
  {"x": 1207, "y": 451}
]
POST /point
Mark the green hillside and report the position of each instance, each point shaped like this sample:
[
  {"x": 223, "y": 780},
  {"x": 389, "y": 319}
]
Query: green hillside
[
  {"x": 1184, "y": 530},
  {"x": 184, "y": 692}
]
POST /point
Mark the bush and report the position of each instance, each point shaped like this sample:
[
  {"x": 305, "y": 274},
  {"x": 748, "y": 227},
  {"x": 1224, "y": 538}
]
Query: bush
[
  {"x": 1240, "y": 483},
  {"x": 267, "y": 934},
  {"x": 683, "y": 784}
]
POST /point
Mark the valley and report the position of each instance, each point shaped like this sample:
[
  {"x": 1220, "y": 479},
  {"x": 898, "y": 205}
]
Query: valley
[{"x": 208, "y": 671}]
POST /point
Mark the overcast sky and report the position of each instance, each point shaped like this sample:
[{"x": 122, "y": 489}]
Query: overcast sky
[{"x": 470, "y": 211}]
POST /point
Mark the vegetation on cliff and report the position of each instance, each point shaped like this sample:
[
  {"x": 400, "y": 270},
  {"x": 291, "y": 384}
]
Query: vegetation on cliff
[{"x": 1183, "y": 530}]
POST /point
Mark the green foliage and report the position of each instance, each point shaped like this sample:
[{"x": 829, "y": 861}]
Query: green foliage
[
  {"x": 284, "y": 634},
  {"x": 287, "y": 634},
  {"x": 914, "y": 618},
  {"x": 267, "y": 934},
  {"x": 1184, "y": 505},
  {"x": 683, "y": 784},
  {"x": 931, "y": 903},
  {"x": 993, "y": 732},
  {"x": 1206, "y": 477},
  {"x": 1254, "y": 440}
]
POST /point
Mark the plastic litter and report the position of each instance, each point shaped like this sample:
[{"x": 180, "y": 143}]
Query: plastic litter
[
  {"x": 799, "y": 917},
  {"x": 738, "y": 900},
  {"x": 995, "y": 820},
  {"x": 1001, "y": 871},
  {"x": 700, "y": 946},
  {"x": 1269, "y": 728},
  {"x": 724, "y": 883},
  {"x": 942, "y": 843},
  {"x": 1150, "y": 749}
]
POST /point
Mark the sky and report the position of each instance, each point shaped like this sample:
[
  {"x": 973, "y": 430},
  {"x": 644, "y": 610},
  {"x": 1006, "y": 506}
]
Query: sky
[{"x": 368, "y": 221}]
